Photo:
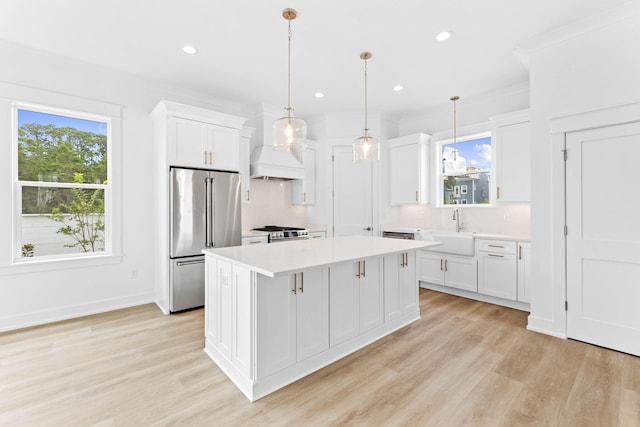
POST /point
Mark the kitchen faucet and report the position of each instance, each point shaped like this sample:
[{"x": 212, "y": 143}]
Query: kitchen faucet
[{"x": 456, "y": 218}]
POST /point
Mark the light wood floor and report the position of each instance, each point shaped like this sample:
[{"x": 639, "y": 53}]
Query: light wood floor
[{"x": 464, "y": 363}]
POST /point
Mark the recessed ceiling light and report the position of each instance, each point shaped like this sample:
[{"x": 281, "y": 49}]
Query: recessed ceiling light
[
  {"x": 319, "y": 95},
  {"x": 189, "y": 50},
  {"x": 398, "y": 88},
  {"x": 443, "y": 35}
]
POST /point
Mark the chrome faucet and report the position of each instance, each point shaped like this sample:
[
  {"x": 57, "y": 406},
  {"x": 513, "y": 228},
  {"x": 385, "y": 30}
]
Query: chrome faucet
[{"x": 456, "y": 218}]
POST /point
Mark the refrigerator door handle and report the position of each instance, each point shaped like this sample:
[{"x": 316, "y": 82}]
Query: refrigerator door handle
[
  {"x": 212, "y": 210},
  {"x": 207, "y": 213}
]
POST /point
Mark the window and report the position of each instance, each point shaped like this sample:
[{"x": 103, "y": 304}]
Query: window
[
  {"x": 465, "y": 171},
  {"x": 63, "y": 190}
]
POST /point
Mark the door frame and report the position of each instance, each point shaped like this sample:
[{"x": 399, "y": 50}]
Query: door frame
[{"x": 559, "y": 128}]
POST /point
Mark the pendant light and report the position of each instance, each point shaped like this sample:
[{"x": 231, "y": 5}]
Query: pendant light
[
  {"x": 289, "y": 133},
  {"x": 457, "y": 165},
  {"x": 365, "y": 148}
]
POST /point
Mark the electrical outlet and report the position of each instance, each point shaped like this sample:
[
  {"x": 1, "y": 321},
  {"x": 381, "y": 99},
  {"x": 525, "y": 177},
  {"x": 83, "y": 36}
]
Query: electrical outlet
[
  {"x": 134, "y": 274},
  {"x": 506, "y": 217}
]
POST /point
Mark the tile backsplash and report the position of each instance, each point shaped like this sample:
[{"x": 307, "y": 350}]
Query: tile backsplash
[{"x": 270, "y": 204}]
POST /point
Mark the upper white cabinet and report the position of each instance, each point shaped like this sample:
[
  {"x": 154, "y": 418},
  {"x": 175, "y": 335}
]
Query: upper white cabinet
[
  {"x": 197, "y": 144},
  {"x": 512, "y": 144},
  {"x": 303, "y": 191},
  {"x": 409, "y": 169}
]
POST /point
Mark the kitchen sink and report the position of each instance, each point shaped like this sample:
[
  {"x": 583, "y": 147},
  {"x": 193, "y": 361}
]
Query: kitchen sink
[{"x": 452, "y": 243}]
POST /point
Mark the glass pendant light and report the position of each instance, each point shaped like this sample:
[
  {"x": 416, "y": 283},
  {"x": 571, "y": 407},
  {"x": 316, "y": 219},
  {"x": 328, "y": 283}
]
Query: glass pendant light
[
  {"x": 366, "y": 148},
  {"x": 289, "y": 133},
  {"x": 457, "y": 165}
]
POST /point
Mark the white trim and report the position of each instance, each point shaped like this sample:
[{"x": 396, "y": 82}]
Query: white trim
[{"x": 19, "y": 97}]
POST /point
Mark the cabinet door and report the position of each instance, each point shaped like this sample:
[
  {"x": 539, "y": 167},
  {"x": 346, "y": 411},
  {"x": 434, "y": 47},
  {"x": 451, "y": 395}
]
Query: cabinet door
[
  {"x": 513, "y": 163},
  {"x": 370, "y": 285},
  {"x": 497, "y": 275},
  {"x": 461, "y": 273},
  {"x": 409, "y": 283},
  {"x": 344, "y": 303},
  {"x": 312, "y": 312},
  {"x": 224, "y": 148},
  {"x": 187, "y": 142},
  {"x": 524, "y": 271},
  {"x": 392, "y": 287},
  {"x": 303, "y": 190},
  {"x": 404, "y": 174},
  {"x": 276, "y": 324},
  {"x": 431, "y": 268}
]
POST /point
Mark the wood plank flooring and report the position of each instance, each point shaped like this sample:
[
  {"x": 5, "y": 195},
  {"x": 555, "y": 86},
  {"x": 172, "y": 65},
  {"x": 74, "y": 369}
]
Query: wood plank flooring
[{"x": 464, "y": 363}]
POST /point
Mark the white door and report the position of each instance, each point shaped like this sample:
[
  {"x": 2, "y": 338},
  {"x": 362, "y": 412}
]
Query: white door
[
  {"x": 352, "y": 198},
  {"x": 603, "y": 237}
]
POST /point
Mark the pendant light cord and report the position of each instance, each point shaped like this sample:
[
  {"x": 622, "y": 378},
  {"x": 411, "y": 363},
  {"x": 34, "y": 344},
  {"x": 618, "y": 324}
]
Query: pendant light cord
[
  {"x": 366, "y": 126},
  {"x": 289, "y": 72}
]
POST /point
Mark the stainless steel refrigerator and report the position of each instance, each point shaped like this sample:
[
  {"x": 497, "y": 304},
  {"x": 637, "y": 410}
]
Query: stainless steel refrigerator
[{"x": 204, "y": 213}]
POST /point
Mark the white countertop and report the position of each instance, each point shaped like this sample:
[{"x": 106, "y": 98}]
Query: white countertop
[{"x": 283, "y": 258}]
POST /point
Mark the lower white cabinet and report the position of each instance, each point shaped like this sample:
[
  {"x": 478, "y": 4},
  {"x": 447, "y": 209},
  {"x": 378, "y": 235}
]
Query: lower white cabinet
[
  {"x": 400, "y": 284},
  {"x": 292, "y": 319},
  {"x": 524, "y": 272},
  {"x": 255, "y": 240},
  {"x": 455, "y": 271},
  {"x": 497, "y": 268},
  {"x": 355, "y": 299}
]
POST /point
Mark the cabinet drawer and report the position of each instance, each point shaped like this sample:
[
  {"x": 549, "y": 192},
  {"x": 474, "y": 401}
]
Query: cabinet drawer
[{"x": 496, "y": 246}]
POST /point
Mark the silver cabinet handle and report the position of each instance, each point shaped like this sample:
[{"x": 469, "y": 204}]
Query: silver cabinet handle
[
  {"x": 210, "y": 158},
  {"x": 496, "y": 246},
  {"x": 496, "y": 256},
  {"x": 416, "y": 196},
  {"x": 205, "y": 157},
  {"x": 519, "y": 251},
  {"x": 446, "y": 265},
  {"x": 301, "y": 282},
  {"x": 304, "y": 196},
  {"x": 295, "y": 284},
  {"x": 441, "y": 260},
  {"x": 367, "y": 229},
  {"x": 364, "y": 268},
  {"x": 358, "y": 273},
  {"x": 248, "y": 195},
  {"x": 181, "y": 263},
  {"x": 498, "y": 193}
]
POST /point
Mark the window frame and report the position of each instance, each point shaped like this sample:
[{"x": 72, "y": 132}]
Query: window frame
[
  {"x": 439, "y": 175},
  {"x": 17, "y": 97}
]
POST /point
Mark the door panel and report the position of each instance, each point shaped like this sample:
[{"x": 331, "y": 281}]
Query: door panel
[
  {"x": 187, "y": 219},
  {"x": 603, "y": 242},
  {"x": 352, "y": 198}
]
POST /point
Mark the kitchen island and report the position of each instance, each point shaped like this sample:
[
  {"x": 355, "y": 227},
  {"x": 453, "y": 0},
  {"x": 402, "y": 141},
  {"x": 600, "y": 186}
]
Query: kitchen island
[{"x": 278, "y": 312}]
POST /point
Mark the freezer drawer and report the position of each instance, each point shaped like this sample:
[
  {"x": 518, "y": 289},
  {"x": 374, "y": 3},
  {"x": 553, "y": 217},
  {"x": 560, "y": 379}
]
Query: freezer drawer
[{"x": 187, "y": 283}]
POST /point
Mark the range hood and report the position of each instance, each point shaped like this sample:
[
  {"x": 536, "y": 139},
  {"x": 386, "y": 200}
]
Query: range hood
[{"x": 267, "y": 162}]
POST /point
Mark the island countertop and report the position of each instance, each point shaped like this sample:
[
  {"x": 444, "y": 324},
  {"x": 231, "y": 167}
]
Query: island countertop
[{"x": 282, "y": 258}]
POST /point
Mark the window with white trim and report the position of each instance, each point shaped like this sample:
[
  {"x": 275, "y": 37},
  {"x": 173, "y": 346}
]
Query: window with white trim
[
  {"x": 465, "y": 170},
  {"x": 62, "y": 186}
]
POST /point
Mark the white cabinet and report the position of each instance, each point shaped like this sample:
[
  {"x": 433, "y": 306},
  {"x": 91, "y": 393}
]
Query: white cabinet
[
  {"x": 317, "y": 234},
  {"x": 205, "y": 145},
  {"x": 400, "y": 285},
  {"x": 255, "y": 240},
  {"x": 512, "y": 142},
  {"x": 409, "y": 169},
  {"x": 524, "y": 272},
  {"x": 292, "y": 319},
  {"x": 303, "y": 191},
  {"x": 449, "y": 270},
  {"x": 355, "y": 299},
  {"x": 497, "y": 268},
  {"x": 245, "y": 177}
]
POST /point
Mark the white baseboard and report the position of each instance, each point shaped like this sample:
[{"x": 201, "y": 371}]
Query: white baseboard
[
  {"x": 56, "y": 314},
  {"x": 544, "y": 326}
]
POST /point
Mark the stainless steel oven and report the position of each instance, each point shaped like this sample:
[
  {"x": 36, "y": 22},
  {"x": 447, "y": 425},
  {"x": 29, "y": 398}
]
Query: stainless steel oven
[{"x": 399, "y": 235}]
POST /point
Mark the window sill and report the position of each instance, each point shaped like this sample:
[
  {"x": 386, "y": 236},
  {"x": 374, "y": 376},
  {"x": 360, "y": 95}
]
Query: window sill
[{"x": 37, "y": 266}]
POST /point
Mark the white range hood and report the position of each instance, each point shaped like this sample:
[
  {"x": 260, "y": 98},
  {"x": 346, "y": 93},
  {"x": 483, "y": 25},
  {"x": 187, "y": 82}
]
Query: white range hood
[{"x": 267, "y": 162}]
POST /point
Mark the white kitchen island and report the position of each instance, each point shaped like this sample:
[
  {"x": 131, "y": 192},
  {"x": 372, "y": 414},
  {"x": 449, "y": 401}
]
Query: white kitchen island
[{"x": 275, "y": 313}]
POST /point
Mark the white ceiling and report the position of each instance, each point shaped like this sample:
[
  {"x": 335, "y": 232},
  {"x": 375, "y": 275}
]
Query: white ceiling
[{"x": 243, "y": 45}]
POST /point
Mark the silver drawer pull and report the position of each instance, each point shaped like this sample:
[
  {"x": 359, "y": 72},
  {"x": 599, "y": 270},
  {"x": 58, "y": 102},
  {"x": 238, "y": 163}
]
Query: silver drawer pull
[
  {"x": 497, "y": 256},
  {"x": 181, "y": 263},
  {"x": 496, "y": 246}
]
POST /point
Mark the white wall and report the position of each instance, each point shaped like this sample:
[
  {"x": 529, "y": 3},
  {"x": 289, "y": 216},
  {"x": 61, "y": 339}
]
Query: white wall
[
  {"x": 592, "y": 65},
  {"x": 28, "y": 298}
]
